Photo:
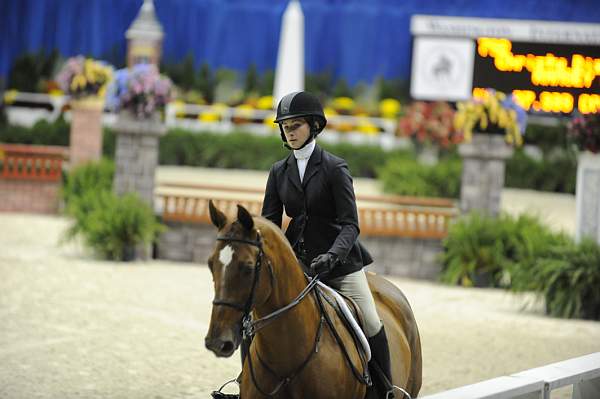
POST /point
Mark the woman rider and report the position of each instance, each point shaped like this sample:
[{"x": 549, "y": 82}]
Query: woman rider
[{"x": 315, "y": 188}]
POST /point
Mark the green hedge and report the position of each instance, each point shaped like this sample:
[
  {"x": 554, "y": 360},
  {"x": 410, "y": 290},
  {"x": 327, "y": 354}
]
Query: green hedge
[
  {"x": 241, "y": 150},
  {"x": 399, "y": 171},
  {"x": 557, "y": 175},
  {"x": 405, "y": 176},
  {"x": 523, "y": 255}
]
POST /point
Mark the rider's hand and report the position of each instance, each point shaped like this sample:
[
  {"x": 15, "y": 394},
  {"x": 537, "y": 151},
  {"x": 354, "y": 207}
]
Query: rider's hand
[{"x": 323, "y": 263}]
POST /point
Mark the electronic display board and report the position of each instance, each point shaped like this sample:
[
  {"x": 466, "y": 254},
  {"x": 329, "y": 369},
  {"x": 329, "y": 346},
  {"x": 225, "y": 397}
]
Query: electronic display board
[
  {"x": 557, "y": 78},
  {"x": 550, "y": 67}
]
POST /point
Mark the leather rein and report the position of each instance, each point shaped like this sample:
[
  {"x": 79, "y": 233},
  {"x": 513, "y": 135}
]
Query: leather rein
[{"x": 251, "y": 327}]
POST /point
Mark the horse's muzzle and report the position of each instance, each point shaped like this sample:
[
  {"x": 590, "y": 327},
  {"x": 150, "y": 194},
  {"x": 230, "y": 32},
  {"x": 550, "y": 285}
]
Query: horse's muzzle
[{"x": 221, "y": 347}]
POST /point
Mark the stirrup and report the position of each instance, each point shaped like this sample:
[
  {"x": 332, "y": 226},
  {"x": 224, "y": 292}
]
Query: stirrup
[
  {"x": 391, "y": 392},
  {"x": 220, "y": 395}
]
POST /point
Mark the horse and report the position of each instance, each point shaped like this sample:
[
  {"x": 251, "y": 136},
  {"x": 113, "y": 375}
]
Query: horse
[{"x": 300, "y": 348}]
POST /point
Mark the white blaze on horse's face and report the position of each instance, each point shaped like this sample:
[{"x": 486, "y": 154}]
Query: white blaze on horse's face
[{"x": 225, "y": 255}]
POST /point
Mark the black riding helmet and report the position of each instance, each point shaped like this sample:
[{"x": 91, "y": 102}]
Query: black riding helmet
[{"x": 301, "y": 104}]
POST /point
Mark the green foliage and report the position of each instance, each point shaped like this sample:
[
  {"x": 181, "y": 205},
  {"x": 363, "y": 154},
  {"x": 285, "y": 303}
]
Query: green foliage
[
  {"x": 480, "y": 248},
  {"x": 205, "y": 83},
  {"x": 320, "y": 84},
  {"x": 394, "y": 88},
  {"x": 525, "y": 172},
  {"x": 342, "y": 89},
  {"x": 547, "y": 138},
  {"x": 114, "y": 225},
  {"x": 41, "y": 133},
  {"x": 405, "y": 176},
  {"x": 241, "y": 150},
  {"x": 109, "y": 224},
  {"x": 93, "y": 177},
  {"x": 568, "y": 277},
  {"x": 30, "y": 71}
]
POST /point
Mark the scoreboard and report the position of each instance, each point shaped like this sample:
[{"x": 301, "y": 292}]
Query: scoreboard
[
  {"x": 543, "y": 77},
  {"x": 557, "y": 72}
]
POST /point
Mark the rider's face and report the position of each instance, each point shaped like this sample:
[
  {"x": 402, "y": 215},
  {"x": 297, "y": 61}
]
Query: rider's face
[{"x": 296, "y": 132}]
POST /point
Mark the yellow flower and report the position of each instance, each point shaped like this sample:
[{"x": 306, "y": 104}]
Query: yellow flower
[
  {"x": 265, "y": 102},
  {"x": 343, "y": 103},
  {"x": 389, "y": 108}
]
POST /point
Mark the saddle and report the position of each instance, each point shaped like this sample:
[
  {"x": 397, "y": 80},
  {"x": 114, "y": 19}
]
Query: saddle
[{"x": 351, "y": 316}]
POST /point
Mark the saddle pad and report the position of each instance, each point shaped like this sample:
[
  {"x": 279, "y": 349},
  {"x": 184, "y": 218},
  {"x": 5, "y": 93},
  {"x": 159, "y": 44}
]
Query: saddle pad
[{"x": 350, "y": 317}]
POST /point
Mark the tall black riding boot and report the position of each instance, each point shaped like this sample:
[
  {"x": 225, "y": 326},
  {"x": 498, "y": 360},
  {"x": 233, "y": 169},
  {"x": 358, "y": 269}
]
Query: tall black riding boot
[{"x": 380, "y": 364}]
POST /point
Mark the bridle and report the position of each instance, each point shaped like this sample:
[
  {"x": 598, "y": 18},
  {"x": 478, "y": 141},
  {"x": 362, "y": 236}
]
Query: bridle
[{"x": 251, "y": 327}]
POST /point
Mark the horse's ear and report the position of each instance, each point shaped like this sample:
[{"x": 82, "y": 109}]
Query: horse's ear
[
  {"x": 245, "y": 218},
  {"x": 217, "y": 217}
]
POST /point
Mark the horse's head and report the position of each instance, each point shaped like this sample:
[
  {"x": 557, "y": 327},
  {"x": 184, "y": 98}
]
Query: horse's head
[{"x": 235, "y": 263}]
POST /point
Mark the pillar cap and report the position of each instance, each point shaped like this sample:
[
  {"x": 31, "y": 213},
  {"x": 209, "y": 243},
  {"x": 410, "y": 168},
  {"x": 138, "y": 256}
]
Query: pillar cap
[{"x": 145, "y": 25}]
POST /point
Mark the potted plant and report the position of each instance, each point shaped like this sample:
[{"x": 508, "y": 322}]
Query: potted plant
[
  {"x": 492, "y": 112},
  {"x": 491, "y": 124},
  {"x": 85, "y": 79},
  {"x": 430, "y": 127},
  {"x": 141, "y": 91}
]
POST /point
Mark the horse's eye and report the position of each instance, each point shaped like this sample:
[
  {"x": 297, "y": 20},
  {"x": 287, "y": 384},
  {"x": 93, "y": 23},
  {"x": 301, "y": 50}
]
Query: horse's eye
[{"x": 246, "y": 268}]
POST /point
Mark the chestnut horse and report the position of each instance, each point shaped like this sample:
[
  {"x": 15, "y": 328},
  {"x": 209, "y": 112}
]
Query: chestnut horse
[{"x": 300, "y": 348}]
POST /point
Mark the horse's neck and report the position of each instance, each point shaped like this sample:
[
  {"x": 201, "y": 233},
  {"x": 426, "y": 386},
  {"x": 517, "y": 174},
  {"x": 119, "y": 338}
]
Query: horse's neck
[{"x": 293, "y": 333}]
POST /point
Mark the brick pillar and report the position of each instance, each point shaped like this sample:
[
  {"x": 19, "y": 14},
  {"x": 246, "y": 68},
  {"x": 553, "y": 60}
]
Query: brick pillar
[
  {"x": 86, "y": 131},
  {"x": 484, "y": 161},
  {"x": 587, "y": 212}
]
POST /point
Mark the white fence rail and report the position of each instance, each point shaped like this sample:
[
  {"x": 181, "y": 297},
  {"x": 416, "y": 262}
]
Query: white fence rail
[
  {"x": 26, "y": 108},
  {"x": 582, "y": 373}
]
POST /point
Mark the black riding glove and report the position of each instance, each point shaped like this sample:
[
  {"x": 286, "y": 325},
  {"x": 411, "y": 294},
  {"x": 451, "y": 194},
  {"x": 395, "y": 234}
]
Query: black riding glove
[{"x": 323, "y": 263}]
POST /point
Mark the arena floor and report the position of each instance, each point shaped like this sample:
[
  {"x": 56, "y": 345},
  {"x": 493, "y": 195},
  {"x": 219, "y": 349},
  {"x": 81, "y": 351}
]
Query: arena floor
[{"x": 75, "y": 327}]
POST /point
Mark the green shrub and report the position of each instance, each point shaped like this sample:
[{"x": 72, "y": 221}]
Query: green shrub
[
  {"x": 405, "y": 176},
  {"x": 109, "y": 224},
  {"x": 525, "y": 172},
  {"x": 91, "y": 177},
  {"x": 568, "y": 277},
  {"x": 241, "y": 150},
  {"x": 485, "y": 251},
  {"x": 114, "y": 225}
]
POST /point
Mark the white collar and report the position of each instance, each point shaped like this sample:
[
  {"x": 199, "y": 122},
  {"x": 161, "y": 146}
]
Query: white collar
[{"x": 306, "y": 151}]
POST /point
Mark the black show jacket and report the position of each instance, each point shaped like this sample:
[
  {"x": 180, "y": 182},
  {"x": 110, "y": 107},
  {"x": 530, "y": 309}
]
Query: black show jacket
[{"x": 322, "y": 209}]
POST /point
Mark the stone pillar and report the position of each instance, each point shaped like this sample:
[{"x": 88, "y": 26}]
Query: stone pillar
[
  {"x": 482, "y": 179},
  {"x": 587, "y": 212},
  {"x": 136, "y": 159},
  {"x": 136, "y": 155},
  {"x": 86, "y": 131}
]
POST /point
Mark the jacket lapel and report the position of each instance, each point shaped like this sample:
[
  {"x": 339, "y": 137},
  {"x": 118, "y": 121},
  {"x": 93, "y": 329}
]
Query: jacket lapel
[
  {"x": 292, "y": 171},
  {"x": 312, "y": 168}
]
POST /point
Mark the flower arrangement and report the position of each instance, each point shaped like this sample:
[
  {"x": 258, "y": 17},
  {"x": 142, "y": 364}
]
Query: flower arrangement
[
  {"x": 584, "y": 131},
  {"x": 429, "y": 123},
  {"x": 492, "y": 112},
  {"x": 140, "y": 90},
  {"x": 84, "y": 77}
]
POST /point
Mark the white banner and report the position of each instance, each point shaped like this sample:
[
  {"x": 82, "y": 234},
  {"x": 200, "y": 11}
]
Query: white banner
[
  {"x": 442, "y": 69},
  {"x": 517, "y": 30}
]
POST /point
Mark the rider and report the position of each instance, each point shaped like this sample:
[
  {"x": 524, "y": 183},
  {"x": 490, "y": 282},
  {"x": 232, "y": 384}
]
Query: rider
[{"x": 315, "y": 188}]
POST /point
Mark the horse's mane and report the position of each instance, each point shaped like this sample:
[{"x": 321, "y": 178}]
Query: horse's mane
[{"x": 272, "y": 232}]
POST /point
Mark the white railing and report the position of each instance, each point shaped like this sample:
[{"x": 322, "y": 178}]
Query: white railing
[
  {"x": 341, "y": 128},
  {"x": 582, "y": 373}
]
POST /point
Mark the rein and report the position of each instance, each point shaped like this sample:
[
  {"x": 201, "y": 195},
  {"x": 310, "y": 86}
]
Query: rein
[{"x": 251, "y": 327}]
